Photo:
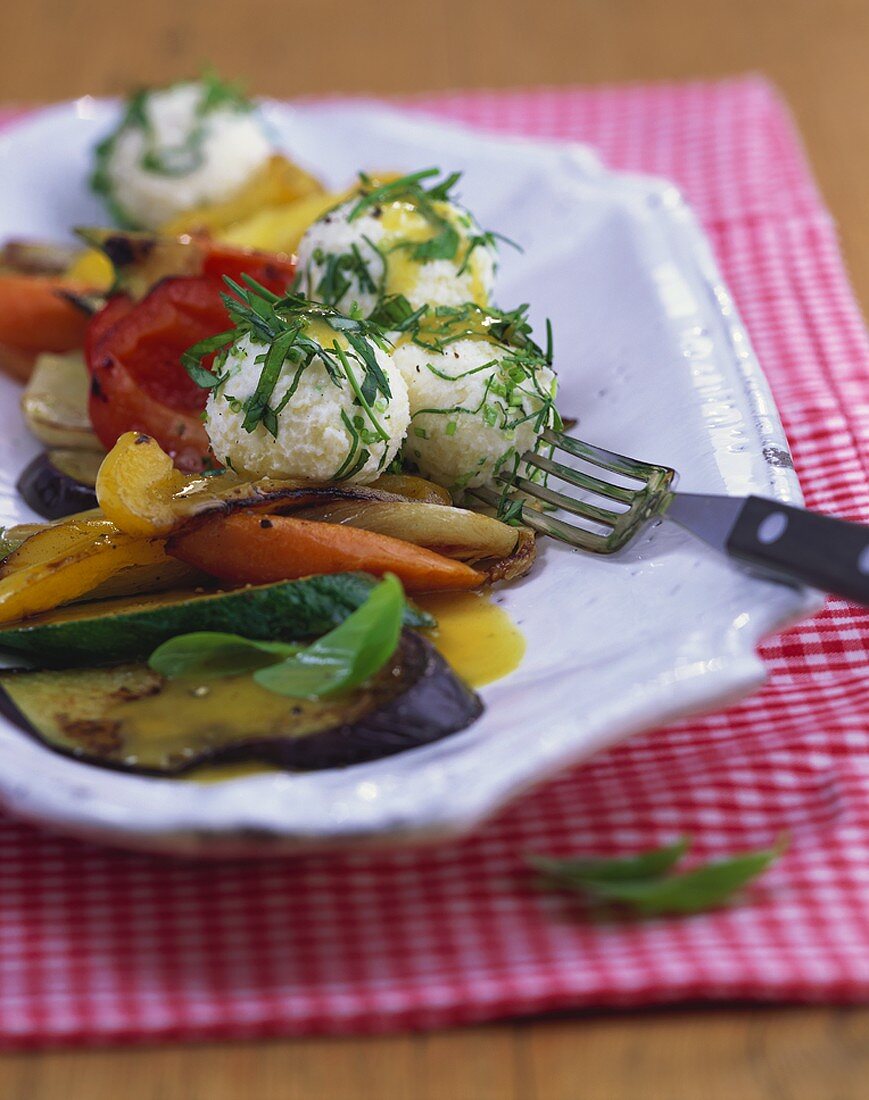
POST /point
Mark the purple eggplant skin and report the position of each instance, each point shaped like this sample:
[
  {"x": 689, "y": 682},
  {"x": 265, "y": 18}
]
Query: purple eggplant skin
[
  {"x": 433, "y": 704},
  {"x": 50, "y": 492},
  {"x": 415, "y": 700}
]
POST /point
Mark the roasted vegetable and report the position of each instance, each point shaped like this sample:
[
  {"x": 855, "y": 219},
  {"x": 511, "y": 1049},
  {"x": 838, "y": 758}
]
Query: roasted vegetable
[
  {"x": 26, "y": 257},
  {"x": 125, "y": 629},
  {"x": 142, "y": 493},
  {"x": 61, "y": 482},
  {"x": 411, "y": 487},
  {"x": 133, "y": 353},
  {"x": 280, "y": 185},
  {"x": 33, "y": 582},
  {"x": 137, "y": 485},
  {"x": 453, "y": 532},
  {"x": 117, "y": 403},
  {"x": 136, "y": 261},
  {"x": 516, "y": 564},
  {"x": 36, "y": 313},
  {"x": 156, "y": 573},
  {"x": 245, "y": 548},
  {"x": 280, "y": 227},
  {"x": 15, "y": 362},
  {"x": 55, "y": 403},
  {"x": 163, "y": 575},
  {"x": 16, "y": 535},
  {"x": 141, "y": 260},
  {"x": 129, "y": 717},
  {"x": 45, "y": 542}
]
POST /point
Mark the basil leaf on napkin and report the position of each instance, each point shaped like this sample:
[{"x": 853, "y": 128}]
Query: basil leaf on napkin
[
  {"x": 647, "y": 865},
  {"x": 642, "y": 883}
]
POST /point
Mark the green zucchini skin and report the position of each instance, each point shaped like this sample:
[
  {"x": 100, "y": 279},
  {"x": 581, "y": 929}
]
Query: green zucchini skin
[
  {"x": 102, "y": 716},
  {"x": 111, "y": 631}
]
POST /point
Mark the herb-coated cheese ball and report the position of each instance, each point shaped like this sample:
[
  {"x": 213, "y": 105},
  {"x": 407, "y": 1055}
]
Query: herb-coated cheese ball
[
  {"x": 394, "y": 239},
  {"x": 311, "y": 399},
  {"x": 477, "y": 402},
  {"x": 177, "y": 148}
]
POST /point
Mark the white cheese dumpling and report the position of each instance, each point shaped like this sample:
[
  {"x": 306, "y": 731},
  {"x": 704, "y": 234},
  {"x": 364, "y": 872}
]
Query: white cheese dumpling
[
  {"x": 304, "y": 392},
  {"x": 397, "y": 238},
  {"x": 481, "y": 393},
  {"x": 179, "y": 147}
]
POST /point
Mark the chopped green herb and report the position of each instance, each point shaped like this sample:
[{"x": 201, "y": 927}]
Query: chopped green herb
[
  {"x": 511, "y": 513},
  {"x": 396, "y": 314},
  {"x": 401, "y": 188},
  {"x": 331, "y": 277},
  {"x": 339, "y": 272},
  {"x": 291, "y": 330},
  {"x": 484, "y": 240}
]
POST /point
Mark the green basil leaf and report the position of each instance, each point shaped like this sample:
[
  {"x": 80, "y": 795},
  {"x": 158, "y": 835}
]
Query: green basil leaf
[
  {"x": 347, "y": 655},
  {"x": 642, "y": 885},
  {"x": 707, "y": 887},
  {"x": 210, "y": 654},
  {"x": 651, "y": 864}
]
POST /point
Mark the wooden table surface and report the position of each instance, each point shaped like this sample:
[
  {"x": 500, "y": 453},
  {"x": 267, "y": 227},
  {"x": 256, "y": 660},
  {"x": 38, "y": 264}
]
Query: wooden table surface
[{"x": 818, "y": 52}]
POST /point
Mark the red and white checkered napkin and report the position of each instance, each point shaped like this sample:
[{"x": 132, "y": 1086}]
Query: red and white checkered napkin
[{"x": 98, "y": 945}]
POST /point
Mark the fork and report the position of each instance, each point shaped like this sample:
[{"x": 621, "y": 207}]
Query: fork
[{"x": 781, "y": 542}]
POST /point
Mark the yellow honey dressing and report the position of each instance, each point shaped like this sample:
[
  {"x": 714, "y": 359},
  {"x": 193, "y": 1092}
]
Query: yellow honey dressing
[
  {"x": 323, "y": 334},
  {"x": 475, "y": 635},
  {"x": 403, "y": 223}
]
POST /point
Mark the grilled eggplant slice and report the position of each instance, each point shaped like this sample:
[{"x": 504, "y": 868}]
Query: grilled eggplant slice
[
  {"x": 125, "y": 629},
  {"x": 61, "y": 482},
  {"x": 128, "y": 717}
]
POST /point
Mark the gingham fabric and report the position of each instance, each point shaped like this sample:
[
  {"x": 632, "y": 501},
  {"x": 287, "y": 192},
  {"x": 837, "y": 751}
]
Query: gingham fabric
[{"x": 99, "y": 946}]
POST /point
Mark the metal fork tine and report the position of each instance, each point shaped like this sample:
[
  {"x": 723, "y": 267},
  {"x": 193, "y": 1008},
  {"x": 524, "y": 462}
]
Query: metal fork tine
[
  {"x": 547, "y": 525},
  {"x": 568, "y": 504},
  {"x": 580, "y": 479},
  {"x": 598, "y": 456},
  {"x": 617, "y": 528}
]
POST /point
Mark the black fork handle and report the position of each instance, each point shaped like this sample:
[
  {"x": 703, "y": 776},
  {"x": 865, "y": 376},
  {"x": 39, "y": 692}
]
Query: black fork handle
[{"x": 817, "y": 550}]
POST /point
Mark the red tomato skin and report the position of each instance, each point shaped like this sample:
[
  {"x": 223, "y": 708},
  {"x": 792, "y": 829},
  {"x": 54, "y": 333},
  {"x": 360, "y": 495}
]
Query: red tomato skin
[
  {"x": 274, "y": 270},
  {"x": 133, "y": 351},
  {"x": 150, "y": 339},
  {"x": 118, "y": 404}
]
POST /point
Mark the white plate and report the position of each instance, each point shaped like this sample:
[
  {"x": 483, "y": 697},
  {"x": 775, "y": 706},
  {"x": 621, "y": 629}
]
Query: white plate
[{"x": 652, "y": 356}]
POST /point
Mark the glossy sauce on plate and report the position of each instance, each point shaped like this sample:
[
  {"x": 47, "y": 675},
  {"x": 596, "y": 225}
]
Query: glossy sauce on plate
[{"x": 474, "y": 634}]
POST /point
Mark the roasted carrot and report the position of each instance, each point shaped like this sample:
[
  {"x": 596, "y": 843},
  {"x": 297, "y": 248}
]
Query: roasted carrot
[
  {"x": 16, "y": 363},
  {"x": 257, "y": 549},
  {"x": 34, "y": 315}
]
